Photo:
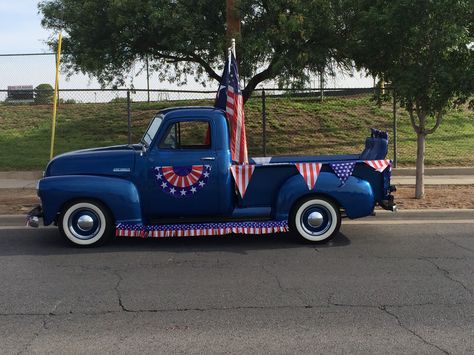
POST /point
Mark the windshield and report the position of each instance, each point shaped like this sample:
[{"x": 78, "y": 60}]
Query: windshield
[{"x": 152, "y": 129}]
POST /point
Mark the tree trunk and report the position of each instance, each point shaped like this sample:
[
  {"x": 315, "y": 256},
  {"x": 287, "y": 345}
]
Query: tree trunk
[{"x": 420, "y": 165}]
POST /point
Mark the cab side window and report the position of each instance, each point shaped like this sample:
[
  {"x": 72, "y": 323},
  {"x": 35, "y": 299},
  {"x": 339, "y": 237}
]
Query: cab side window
[{"x": 187, "y": 135}]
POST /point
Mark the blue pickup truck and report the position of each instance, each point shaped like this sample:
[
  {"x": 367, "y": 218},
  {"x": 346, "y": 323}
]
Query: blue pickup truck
[{"x": 179, "y": 180}]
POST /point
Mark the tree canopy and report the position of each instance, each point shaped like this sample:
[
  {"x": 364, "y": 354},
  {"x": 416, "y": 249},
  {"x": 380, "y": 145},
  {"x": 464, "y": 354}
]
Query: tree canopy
[
  {"x": 424, "y": 49},
  {"x": 279, "y": 38}
]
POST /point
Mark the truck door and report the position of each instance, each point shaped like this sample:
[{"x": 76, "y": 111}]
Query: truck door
[{"x": 183, "y": 174}]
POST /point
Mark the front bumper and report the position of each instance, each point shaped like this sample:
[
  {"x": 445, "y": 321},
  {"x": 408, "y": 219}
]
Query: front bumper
[{"x": 32, "y": 218}]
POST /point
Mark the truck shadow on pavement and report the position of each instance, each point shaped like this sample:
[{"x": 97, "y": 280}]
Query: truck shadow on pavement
[{"x": 49, "y": 242}]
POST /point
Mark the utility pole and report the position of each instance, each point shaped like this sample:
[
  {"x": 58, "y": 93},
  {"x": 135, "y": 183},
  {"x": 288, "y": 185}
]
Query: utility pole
[{"x": 232, "y": 19}]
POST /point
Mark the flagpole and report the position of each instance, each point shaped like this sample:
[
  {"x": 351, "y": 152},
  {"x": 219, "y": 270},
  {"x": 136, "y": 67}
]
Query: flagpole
[{"x": 233, "y": 47}]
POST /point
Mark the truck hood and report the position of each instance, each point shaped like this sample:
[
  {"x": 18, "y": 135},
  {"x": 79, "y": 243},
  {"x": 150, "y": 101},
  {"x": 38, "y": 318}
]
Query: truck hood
[{"x": 105, "y": 161}]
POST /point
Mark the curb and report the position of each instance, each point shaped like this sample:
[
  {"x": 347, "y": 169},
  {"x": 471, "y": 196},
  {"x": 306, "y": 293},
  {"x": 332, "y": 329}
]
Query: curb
[
  {"x": 441, "y": 171},
  {"x": 19, "y": 220}
]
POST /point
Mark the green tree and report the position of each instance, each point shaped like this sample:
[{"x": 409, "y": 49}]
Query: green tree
[
  {"x": 279, "y": 38},
  {"x": 43, "y": 94},
  {"x": 423, "y": 48}
]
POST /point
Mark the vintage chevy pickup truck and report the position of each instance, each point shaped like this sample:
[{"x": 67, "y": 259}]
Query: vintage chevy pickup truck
[{"x": 180, "y": 181}]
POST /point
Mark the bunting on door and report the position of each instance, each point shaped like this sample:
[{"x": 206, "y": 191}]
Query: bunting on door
[
  {"x": 379, "y": 165},
  {"x": 182, "y": 181},
  {"x": 242, "y": 175},
  {"x": 310, "y": 172},
  {"x": 343, "y": 170}
]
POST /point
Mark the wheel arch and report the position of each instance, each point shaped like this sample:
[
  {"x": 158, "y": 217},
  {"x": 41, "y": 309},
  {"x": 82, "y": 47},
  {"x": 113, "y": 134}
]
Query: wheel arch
[
  {"x": 312, "y": 195},
  {"x": 355, "y": 196},
  {"x": 118, "y": 195}
]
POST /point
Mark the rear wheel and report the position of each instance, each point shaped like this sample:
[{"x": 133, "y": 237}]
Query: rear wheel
[
  {"x": 316, "y": 219},
  {"x": 86, "y": 223}
]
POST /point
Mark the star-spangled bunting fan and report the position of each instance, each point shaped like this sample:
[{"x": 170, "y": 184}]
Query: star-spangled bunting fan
[
  {"x": 242, "y": 175},
  {"x": 229, "y": 98},
  {"x": 343, "y": 170},
  {"x": 182, "y": 181},
  {"x": 379, "y": 165},
  {"x": 310, "y": 172}
]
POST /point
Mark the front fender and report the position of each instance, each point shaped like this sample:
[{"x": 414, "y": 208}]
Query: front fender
[
  {"x": 355, "y": 196},
  {"x": 119, "y": 195}
]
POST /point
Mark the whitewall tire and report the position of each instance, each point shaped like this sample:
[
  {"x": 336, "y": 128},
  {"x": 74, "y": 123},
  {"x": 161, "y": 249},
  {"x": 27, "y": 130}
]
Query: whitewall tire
[
  {"x": 316, "y": 219},
  {"x": 85, "y": 223}
]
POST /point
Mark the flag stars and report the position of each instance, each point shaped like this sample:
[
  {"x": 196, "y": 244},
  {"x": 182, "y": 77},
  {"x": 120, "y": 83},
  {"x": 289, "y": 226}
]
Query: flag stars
[{"x": 183, "y": 192}]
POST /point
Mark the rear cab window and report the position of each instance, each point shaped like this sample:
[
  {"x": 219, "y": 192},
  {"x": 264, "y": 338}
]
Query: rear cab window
[{"x": 187, "y": 135}]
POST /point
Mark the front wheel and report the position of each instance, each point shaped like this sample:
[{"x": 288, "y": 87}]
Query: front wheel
[
  {"x": 316, "y": 219},
  {"x": 86, "y": 223}
]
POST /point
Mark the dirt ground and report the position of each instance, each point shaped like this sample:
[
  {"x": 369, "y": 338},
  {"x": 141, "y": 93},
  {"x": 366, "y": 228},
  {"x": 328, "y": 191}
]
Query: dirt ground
[{"x": 20, "y": 201}]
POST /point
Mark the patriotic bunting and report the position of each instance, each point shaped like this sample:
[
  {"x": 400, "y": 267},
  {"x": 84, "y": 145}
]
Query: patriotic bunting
[
  {"x": 379, "y": 165},
  {"x": 198, "y": 230},
  {"x": 182, "y": 181},
  {"x": 343, "y": 170},
  {"x": 242, "y": 175},
  {"x": 310, "y": 172}
]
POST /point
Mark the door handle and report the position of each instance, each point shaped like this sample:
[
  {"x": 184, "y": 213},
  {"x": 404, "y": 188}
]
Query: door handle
[{"x": 208, "y": 158}]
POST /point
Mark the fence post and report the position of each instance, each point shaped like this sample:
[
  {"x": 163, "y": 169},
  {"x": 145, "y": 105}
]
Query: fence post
[
  {"x": 264, "y": 123},
  {"x": 129, "y": 118},
  {"x": 321, "y": 84},
  {"x": 147, "y": 80},
  {"x": 394, "y": 130}
]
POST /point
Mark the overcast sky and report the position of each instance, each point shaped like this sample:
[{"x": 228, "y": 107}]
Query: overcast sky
[{"x": 20, "y": 27}]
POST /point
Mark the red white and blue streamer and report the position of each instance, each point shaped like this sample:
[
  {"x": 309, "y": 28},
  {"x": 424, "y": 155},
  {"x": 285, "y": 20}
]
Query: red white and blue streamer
[
  {"x": 201, "y": 229},
  {"x": 310, "y": 172},
  {"x": 242, "y": 175},
  {"x": 379, "y": 165},
  {"x": 182, "y": 181},
  {"x": 343, "y": 170}
]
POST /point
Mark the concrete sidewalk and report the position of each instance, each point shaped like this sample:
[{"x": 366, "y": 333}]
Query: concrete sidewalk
[{"x": 400, "y": 176}]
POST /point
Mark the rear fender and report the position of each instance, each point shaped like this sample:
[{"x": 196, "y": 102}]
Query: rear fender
[
  {"x": 355, "y": 196},
  {"x": 119, "y": 195}
]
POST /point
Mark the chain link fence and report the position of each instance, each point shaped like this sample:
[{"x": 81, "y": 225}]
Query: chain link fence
[{"x": 278, "y": 121}]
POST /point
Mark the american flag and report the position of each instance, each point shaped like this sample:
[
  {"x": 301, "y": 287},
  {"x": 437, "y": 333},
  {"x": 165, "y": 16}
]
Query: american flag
[
  {"x": 200, "y": 229},
  {"x": 310, "y": 172},
  {"x": 242, "y": 175},
  {"x": 343, "y": 170},
  {"x": 379, "y": 165},
  {"x": 229, "y": 98}
]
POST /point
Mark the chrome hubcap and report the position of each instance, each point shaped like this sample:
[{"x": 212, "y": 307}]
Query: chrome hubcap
[
  {"x": 85, "y": 223},
  {"x": 315, "y": 219}
]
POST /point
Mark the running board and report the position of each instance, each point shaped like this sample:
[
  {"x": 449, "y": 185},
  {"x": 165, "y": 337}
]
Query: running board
[{"x": 200, "y": 229}]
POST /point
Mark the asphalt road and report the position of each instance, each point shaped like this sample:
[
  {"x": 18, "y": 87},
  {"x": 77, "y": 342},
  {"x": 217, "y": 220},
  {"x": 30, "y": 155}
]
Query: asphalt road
[{"x": 382, "y": 288}]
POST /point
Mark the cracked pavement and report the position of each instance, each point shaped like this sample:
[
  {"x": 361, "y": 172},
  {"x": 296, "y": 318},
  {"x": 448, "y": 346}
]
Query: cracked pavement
[{"x": 374, "y": 289}]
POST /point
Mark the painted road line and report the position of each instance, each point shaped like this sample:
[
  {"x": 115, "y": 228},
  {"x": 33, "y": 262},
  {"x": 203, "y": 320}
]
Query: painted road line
[{"x": 414, "y": 221}]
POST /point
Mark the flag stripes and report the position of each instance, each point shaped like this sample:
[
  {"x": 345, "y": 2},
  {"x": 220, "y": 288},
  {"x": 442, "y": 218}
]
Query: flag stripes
[
  {"x": 310, "y": 172},
  {"x": 242, "y": 175},
  {"x": 379, "y": 165},
  {"x": 198, "y": 230}
]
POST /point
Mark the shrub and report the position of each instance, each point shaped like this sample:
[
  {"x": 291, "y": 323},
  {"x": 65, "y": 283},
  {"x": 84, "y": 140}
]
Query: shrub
[{"x": 44, "y": 94}]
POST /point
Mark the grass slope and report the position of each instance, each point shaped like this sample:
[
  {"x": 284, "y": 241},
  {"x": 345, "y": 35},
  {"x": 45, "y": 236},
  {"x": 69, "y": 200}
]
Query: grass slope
[{"x": 294, "y": 126}]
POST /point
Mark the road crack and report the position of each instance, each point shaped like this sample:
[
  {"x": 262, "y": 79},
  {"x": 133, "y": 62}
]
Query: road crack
[
  {"x": 118, "y": 293},
  {"x": 411, "y": 331},
  {"x": 447, "y": 274}
]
